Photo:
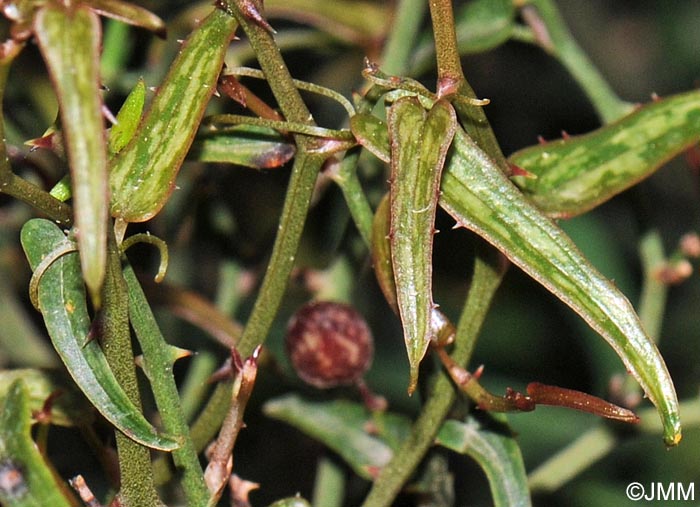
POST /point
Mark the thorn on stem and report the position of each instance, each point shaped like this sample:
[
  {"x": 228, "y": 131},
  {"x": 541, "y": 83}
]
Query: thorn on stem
[{"x": 252, "y": 10}]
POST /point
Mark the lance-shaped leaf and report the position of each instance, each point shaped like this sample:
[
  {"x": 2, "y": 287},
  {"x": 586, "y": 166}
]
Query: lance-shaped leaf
[
  {"x": 419, "y": 144},
  {"x": 26, "y": 480},
  {"x": 143, "y": 174},
  {"x": 69, "y": 39},
  {"x": 371, "y": 133},
  {"x": 246, "y": 145},
  {"x": 479, "y": 197},
  {"x": 575, "y": 174},
  {"x": 128, "y": 118},
  {"x": 62, "y": 302},
  {"x": 497, "y": 454},
  {"x": 342, "y": 426}
]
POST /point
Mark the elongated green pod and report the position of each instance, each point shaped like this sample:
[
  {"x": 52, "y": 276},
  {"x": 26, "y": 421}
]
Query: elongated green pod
[
  {"x": 442, "y": 329},
  {"x": 69, "y": 39},
  {"x": 143, "y": 174},
  {"x": 27, "y": 479},
  {"x": 62, "y": 303},
  {"x": 570, "y": 176},
  {"x": 419, "y": 144},
  {"x": 477, "y": 194},
  {"x": 479, "y": 197}
]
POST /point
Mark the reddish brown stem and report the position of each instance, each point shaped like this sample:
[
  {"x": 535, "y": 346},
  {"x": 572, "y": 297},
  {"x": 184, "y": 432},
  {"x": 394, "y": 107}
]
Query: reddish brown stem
[
  {"x": 537, "y": 393},
  {"x": 558, "y": 396}
]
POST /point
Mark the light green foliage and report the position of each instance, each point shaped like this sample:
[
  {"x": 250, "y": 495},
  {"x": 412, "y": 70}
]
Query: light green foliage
[{"x": 62, "y": 303}]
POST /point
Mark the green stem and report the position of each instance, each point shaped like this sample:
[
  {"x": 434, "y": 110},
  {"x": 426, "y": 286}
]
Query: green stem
[
  {"x": 554, "y": 36},
  {"x": 576, "y": 457},
  {"x": 209, "y": 420},
  {"x": 329, "y": 486},
  {"x": 136, "y": 476},
  {"x": 652, "y": 300},
  {"x": 485, "y": 281},
  {"x": 473, "y": 118},
  {"x": 404, "y": 31},
  {"x": 158, "y": 365},
  {"x": 346, "y": 178},
  {"x": 117, "y": 45},
  {"x": 449, "y": 64},
  {"x": 301, "y": 185},
  {"x": 16, "y": 187}
]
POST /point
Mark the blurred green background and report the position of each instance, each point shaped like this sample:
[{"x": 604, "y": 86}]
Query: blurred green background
[{"x": 221, "y": 223}]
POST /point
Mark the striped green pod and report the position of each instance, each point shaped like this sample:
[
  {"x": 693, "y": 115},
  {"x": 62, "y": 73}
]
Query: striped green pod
[
  {"x": 61, "y": 297},
  {"x": 69, "y": 39},
  {"x": 481, "y": 198},
  {"x": 419, "y": 142},
  {"x": 570, "y": 176},
  {"x": 143, "y": 173}
]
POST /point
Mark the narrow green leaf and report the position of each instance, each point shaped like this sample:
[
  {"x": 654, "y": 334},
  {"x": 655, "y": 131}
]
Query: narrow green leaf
[
  {"x": 63, "y": 305},
  {"x": 246, "y": 145},
  {"x": 419, "y": 144},
  {"x": 67, "y": 409},
  {"x": 497, "y": 454},
  {"x": 573, "y": 175},
  {"x": 477, "y": 194},
  {"x": 341, "y": 425},
  {"x": 27, "y": 480},
  {"x": 128, "y": 118},
  {"x": 143, "y": 174},
  {"x": 157, "y": 363},
  {"x": 69, "y": 39}
]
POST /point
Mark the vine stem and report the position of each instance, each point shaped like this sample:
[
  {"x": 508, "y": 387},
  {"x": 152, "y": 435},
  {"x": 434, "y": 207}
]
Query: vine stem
[
  {"x": 136, "y": 475},
  {"x": 301, "y": 184},
  {"x": 296, "y": 204},
  {"x": 407, "y": 20},
  {"x": 451, "y": 80},
  {"x": 158, "y": 360}
]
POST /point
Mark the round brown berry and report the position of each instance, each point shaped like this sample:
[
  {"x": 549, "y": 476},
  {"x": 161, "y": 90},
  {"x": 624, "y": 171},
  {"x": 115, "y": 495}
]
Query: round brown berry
[{"x": 329, "y": 344}]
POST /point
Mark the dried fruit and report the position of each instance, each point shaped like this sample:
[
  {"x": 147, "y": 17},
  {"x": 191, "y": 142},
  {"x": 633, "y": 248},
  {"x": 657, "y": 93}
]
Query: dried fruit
[{"x": 329, "y": 344}]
